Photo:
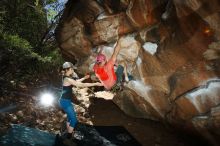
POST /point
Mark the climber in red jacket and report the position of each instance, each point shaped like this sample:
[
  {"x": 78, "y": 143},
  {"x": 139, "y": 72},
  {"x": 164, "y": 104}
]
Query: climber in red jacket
[{"x": 104, "y": 69}]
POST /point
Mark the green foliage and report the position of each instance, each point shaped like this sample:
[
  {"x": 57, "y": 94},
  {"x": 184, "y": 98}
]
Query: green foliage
[
  {"x": 50, "y": 1},
  {"x": 19, "y": 63},
  {"x": 18, "y": 57},
  {"x": 24, "y": 18},
  {"x": 21, "y": 48},
  {"x": 51, "y": 14},
  {"x": 24, "y": 27},
  {"x": 14, "y": 41},
  {"x": 36, "y": 2},
  {"x": 56, "y": 57}
]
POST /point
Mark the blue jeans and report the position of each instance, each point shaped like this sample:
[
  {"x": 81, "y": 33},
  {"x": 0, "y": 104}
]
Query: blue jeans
[
  {"x": 67, "y": 106},
  {"x": 119, "y": 73}
]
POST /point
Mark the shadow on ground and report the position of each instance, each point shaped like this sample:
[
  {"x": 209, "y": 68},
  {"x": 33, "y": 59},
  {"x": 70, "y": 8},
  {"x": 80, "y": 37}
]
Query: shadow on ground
[{"x": 85, "y": 135}]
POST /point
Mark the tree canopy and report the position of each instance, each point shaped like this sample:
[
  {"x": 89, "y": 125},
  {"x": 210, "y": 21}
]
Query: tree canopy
[{"x": 27, "y": 42}]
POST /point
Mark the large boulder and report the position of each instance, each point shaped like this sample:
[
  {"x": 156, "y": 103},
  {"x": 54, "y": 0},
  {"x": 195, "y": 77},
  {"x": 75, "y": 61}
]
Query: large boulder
[{"x": 170, "y": 47}]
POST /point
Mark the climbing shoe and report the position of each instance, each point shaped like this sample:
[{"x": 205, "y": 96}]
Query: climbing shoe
[{"x": 117, "y": 87}]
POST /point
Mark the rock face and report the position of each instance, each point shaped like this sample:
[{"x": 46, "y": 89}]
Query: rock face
[{"x": 172, "y": 48}]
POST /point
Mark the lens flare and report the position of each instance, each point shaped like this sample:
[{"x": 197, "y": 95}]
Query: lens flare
[{"x": 47, "y": 99}]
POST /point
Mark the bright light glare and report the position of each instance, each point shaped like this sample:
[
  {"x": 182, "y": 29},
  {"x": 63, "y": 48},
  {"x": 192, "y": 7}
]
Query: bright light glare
[{"x": 47, "y": 99}]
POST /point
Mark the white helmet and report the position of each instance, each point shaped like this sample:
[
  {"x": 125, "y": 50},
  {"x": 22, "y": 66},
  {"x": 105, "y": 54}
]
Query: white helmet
[{"x": 68, "y": 65}]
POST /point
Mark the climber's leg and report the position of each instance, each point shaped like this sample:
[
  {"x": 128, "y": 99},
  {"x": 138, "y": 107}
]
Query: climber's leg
[
  {"x": 128, "y": 77},
  {"x": 119, "y": 73}
]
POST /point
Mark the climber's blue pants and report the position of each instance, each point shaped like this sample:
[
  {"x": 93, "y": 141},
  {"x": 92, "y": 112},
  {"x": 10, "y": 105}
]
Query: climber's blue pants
[
  {"x": 67, "y": 106},
  {"x": 119, "y": 73}
]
